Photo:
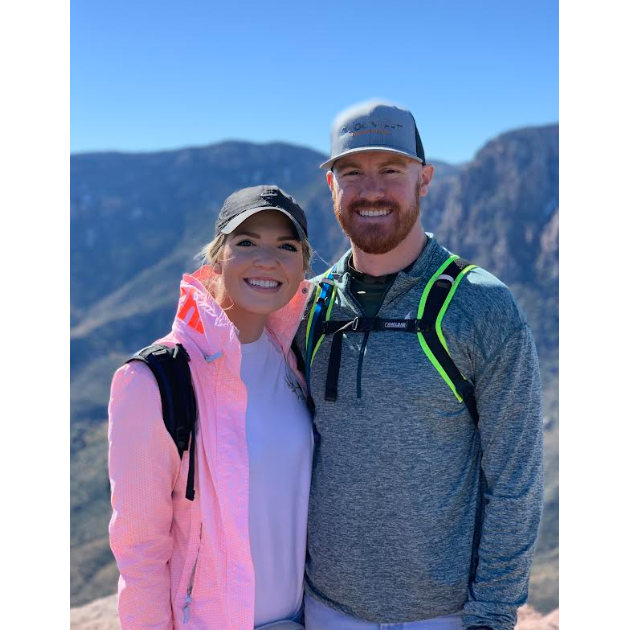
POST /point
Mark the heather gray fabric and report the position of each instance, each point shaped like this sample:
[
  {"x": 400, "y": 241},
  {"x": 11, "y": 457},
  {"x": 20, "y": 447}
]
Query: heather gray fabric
[{"x": 396, "y": 511}]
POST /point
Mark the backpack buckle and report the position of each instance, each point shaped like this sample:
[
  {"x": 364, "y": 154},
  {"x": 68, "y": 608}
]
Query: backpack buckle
[
  {"x": 445, "y": 281},
  {"x": 423, "y": 327},
  {"x": 161, "y": 354}
]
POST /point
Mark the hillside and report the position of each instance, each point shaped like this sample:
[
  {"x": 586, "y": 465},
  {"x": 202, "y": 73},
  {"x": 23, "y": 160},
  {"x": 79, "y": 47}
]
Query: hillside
[{"x": 138, "y": 219}]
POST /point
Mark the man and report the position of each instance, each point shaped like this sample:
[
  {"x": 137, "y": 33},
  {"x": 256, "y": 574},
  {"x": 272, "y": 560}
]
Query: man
[{"x": 426, "y": 492}]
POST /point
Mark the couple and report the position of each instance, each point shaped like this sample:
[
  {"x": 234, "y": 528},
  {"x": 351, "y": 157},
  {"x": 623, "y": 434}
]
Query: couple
[{"x": 413, "y": 461}]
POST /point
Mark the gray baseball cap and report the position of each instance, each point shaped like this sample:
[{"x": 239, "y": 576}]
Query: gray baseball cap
[
  {"x": 244, "y": 203},
  {"x": 375, "y": 126}
]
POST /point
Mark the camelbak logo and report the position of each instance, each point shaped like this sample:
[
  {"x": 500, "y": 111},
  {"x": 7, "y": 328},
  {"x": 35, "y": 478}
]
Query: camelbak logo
[{"x": 395, "y": 325}]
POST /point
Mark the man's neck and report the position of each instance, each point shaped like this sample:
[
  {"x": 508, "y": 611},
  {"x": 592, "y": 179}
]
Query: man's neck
[{"x": 396, "y": 259}]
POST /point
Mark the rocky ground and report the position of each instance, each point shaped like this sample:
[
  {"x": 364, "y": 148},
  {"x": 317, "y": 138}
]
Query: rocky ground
[{"x": 101, "y": 615}]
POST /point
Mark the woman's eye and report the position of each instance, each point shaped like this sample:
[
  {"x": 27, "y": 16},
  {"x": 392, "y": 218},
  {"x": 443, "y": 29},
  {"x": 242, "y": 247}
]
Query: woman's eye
[
  {"x": 244, "y": 243},
  {"x": 289, "y": 247}
]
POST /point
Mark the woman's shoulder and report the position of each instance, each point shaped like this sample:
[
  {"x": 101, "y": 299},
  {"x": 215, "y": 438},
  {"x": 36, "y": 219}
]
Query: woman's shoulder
[
  {"x": 134, "y": 396},
  {"x": 135, "y": 410},
  {"x": 134, "y": 378}
]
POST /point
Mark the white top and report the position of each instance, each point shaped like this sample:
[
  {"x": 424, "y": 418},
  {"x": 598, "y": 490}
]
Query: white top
[{"x": 280, "y": 444}]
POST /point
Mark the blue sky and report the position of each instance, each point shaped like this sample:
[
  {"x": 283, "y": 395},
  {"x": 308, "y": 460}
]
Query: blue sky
[{"x": 159, "y": 75}]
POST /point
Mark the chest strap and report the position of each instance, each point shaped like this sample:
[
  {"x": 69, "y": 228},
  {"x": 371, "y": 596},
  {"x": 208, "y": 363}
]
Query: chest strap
[{"x": 434, "y": 302}]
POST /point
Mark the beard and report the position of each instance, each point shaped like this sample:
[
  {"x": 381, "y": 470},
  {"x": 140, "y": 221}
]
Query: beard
[{"x": 377, "y": 239}]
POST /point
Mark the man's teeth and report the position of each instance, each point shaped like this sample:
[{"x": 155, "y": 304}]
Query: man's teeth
[
  {"x": 265, "y": 284},
  {"x": 374, "y": 213}
]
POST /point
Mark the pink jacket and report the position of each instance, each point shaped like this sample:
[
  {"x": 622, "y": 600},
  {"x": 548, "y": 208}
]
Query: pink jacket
[{"x": 187, "y": 564}]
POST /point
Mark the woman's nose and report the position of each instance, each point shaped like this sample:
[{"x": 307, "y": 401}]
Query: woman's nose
[{"x": 266, "y": 258}]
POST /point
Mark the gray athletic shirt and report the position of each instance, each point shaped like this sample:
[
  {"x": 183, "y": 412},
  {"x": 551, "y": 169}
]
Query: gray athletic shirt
[
  {"x": 415, "y": 513},
  {"x": 280, "y": 447}
]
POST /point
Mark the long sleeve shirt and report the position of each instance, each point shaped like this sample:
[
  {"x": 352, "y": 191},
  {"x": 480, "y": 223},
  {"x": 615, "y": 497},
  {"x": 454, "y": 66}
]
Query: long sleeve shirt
[{"x": 416, "y": 513}]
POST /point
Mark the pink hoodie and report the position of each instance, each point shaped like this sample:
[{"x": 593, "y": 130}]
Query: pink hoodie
[{"x": 187, "y": 564}]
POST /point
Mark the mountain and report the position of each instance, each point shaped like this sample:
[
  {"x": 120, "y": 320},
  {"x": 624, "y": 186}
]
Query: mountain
[{"x": 137, "y": 220}]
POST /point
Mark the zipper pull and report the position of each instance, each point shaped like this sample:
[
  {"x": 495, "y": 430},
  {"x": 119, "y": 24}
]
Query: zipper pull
[{"x": 187, "y": 605}]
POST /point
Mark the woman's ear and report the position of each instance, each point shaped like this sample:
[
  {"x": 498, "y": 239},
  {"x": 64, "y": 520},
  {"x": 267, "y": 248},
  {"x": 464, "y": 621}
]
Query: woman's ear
[{"x": 216, "y": 267}]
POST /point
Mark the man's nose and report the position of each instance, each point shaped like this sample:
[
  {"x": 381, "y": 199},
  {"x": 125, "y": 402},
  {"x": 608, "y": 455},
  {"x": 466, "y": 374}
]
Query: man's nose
[{"x": 373, "y": 188}]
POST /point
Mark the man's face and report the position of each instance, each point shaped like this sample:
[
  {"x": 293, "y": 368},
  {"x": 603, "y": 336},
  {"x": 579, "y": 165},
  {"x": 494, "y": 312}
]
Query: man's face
[{"x": 376, "y": 196}]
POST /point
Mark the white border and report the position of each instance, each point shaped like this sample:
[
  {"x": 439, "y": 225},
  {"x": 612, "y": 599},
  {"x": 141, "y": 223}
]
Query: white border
[
  {"x": 595, "y": 314},
  {"x": 34, "y": 53}
]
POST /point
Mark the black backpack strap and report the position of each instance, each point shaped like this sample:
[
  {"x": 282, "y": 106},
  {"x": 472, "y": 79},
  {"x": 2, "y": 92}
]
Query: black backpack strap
[
  {"x": 334, "y": 360},
  {"x": 433, "y": 304},
  {"x": 170, "y": 368}
]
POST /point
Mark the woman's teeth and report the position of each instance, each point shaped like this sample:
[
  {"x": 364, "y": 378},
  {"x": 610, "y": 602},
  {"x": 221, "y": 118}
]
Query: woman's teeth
[
  {"x": 265, "y": 284},
  {"x": 374, "y": 213}
]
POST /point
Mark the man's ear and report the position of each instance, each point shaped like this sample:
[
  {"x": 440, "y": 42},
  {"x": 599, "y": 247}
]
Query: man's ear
[
  {"x": 330, "y": 180},
  {"x": 425, "y": 179}
]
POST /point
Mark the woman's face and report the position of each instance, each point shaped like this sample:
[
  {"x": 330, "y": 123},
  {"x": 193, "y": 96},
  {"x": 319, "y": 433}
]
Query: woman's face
[{"x": 261, "y": 265}]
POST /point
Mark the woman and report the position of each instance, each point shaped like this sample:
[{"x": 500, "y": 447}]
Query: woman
[{"x": 234, "y": 556}]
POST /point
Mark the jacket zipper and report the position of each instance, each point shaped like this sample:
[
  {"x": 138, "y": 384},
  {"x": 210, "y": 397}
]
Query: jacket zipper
[{"x": 191, "y": 582}]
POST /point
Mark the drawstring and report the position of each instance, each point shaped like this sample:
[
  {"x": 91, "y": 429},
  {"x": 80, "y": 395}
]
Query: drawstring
[{"x": 360, "y": 368}]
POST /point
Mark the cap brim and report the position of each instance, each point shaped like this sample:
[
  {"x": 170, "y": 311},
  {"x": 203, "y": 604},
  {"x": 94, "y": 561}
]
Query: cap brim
[
  {"x": 231, "y": 225},
  {"x": 328, "y": 164}
]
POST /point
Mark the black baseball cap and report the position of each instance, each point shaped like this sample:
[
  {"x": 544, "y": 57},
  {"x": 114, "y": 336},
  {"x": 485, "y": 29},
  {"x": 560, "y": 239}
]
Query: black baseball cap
[{"x": 246, "y": 202}]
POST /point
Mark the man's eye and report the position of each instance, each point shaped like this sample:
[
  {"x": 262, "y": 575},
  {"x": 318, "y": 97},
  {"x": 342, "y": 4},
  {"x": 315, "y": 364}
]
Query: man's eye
[
  {"x": 350, "y": 173},
  {"x": 289, "y": 247},
  {"x": 244, "y": 243}
]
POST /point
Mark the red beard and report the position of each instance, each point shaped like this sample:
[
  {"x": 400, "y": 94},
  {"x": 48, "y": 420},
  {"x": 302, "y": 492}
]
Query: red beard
[{"x": 375, "y": 238}]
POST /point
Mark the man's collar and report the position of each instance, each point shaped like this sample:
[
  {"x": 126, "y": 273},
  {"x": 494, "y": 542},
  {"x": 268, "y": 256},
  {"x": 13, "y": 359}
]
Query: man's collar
[{"x": 430, "y": 249}]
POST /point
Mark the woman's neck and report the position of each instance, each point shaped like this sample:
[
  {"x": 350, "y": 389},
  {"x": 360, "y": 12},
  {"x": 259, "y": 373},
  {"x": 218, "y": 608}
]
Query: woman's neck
[{"x": 250, "y": 326}]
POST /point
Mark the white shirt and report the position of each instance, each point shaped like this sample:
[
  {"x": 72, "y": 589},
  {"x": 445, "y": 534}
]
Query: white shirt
[{"x": 280, "y": 446}]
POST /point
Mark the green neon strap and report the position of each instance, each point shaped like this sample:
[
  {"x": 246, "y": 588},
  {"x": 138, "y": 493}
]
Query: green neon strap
[
  {"x": 423, "y": 343},
  {"x": 449, "y": 297},
  {"x": 310, "y": 316},
  {"x": 436, "y": 275},
  {"x": 328, "y": 311},
  {"x": 437, "y": 366},
  {"x": 331, "y": 300}
]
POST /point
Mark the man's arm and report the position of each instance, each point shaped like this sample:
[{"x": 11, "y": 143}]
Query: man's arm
[
  {"x": 143, "y": 468},
  {"x": 510, "y": 427}
]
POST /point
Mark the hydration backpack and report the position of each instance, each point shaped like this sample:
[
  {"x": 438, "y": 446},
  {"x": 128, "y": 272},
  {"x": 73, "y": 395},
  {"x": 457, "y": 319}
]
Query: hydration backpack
[{"x": 434, "y": 302}]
